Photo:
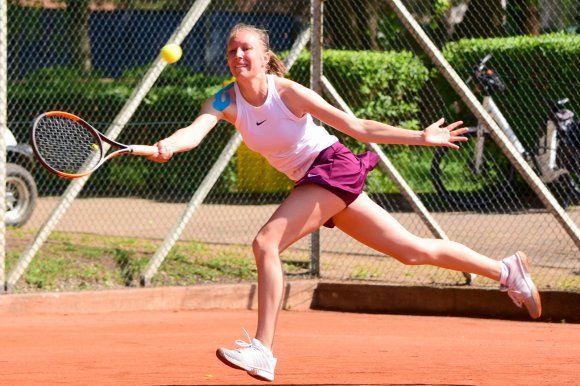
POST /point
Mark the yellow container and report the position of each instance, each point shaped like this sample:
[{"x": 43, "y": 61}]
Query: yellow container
[{"x": 255, "y": 174}]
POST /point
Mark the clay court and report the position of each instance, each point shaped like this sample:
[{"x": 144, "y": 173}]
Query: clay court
[
  {"x": 154, "y": 337},
  {"x": 168, "y": 336}
]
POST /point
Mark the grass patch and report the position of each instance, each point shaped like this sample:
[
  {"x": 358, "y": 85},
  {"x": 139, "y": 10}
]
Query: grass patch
[
  {"x": 72, "y": 261},
  {"x": 216, "y": 266}
]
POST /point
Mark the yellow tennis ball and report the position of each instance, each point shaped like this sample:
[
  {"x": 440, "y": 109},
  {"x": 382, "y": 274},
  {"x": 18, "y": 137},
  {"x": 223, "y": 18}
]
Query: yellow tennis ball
[
  {"x": 95, "y": 147},
  {"x": 171, "y": 53}
]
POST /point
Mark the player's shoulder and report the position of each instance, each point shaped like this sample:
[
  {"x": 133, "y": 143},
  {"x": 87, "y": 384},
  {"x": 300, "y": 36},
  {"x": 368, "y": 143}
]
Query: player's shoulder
[
  {"x": 284, "y": 83},
  {"x": 223, "y": 94},
  {"x": 223, "y": 98},
  {"x": 289, "y": 88},
  {"x": 222, "y": 103}
]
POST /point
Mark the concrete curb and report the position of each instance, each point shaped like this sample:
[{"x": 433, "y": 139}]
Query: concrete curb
[
  {"x": 448, "y": 301},
  {"x": 300, "y": 295}
]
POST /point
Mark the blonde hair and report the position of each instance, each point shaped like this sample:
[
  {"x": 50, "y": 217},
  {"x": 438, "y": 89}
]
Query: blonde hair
[{"x": 275, "y": 64}]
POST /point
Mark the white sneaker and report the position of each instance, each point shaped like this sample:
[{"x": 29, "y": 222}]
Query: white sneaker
[
  {"x": 519, "y": 286},
  {"x": 257, "y": 360}
]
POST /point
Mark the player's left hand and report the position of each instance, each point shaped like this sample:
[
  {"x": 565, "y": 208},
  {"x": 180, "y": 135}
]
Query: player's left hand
[{"x": 438, "y": 135}]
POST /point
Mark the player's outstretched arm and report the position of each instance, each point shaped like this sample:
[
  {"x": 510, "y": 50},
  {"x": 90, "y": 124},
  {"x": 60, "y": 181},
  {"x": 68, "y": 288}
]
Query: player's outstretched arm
[
  {"x": 189, "y": 137},
  {"x": 303, "y": 100}
]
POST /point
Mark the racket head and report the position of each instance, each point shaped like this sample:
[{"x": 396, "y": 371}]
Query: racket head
[{"x": 66, "y": 145}]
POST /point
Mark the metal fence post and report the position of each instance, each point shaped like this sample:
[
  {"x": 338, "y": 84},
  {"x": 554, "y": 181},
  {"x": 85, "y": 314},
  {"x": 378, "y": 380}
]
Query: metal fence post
[
  {"x": 315, "y": 84},
  {"x": 3, "y": 128}
]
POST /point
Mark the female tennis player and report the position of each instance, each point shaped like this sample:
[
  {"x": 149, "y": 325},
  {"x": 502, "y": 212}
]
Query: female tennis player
[{"x": 275, "y": 118}]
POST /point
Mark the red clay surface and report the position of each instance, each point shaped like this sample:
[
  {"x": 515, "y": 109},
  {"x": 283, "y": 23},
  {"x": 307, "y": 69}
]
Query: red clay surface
[{"x": 313, "y": 348}]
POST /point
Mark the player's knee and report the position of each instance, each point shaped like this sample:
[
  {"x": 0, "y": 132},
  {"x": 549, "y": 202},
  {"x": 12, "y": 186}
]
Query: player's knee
[
  {"x": 263, "y": 247},
  {"x": 257, "y": 246}
]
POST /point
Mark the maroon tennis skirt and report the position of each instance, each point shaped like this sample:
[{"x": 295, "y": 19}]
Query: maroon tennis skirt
[{"x": 341, "y": 172}]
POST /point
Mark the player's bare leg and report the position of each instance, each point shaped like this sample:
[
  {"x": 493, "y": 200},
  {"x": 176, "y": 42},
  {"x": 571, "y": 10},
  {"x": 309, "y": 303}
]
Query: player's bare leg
[
  {"x": 305, "y": 210},
  {"x": 370, "y": 224}
]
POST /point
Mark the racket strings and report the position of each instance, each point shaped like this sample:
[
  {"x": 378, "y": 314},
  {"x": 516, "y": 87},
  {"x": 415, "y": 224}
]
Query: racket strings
[{"x": 66, "y": 145}]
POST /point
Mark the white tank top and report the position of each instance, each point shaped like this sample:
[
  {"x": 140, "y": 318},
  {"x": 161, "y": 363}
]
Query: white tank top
[{"x": 290, "y": 144}]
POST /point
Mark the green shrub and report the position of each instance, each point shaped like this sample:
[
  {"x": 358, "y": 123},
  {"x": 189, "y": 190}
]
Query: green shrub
[
  {"x": 393, "y": 87},
  {"x": 535, "y": 69},
  {"x": 383, "y": 86}
]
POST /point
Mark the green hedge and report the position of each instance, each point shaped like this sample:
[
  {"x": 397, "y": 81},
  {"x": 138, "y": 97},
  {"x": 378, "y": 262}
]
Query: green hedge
[
  {"x": 176, "y": 96},
  {"x": 386, "y": 85},
  {"x": 394, "y": 87},
  {"x": 172, "y": 103},
  {"x": 383, "y": 86},
  {"x": 534, "y": 68}
]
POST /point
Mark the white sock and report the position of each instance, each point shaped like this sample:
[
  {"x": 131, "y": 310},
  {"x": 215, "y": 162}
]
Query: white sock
[{"x": 505, "y": 271}]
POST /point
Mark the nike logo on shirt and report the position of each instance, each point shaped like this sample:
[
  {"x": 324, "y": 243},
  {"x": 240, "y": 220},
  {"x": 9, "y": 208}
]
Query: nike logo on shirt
[{"x": 259, "y": 123}]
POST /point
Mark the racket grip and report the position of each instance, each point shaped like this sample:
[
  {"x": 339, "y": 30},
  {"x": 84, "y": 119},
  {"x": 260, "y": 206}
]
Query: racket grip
[{"x": 144, "y": 150}]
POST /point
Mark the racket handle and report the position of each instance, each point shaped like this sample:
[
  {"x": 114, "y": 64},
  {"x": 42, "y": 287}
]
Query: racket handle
[{"x": 144, "y": 150}]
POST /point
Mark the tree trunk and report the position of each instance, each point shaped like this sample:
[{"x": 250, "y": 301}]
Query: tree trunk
[
  {"x": 524, "y": 17},
  {"x": 483, "y": 19},
  {"x": 352, "y": 24},
  {"x": 77, "y": 15}
]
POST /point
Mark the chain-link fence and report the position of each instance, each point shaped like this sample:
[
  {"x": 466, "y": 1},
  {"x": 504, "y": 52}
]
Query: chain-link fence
[{"x": 193, "y": 220}]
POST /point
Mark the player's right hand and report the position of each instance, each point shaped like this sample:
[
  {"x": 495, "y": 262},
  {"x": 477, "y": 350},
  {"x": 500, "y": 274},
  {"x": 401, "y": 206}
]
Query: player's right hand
[{"x": 164, "y": 154}]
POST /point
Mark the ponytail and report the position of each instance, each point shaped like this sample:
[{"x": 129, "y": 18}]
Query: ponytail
[{"x": 276, "y": 65}]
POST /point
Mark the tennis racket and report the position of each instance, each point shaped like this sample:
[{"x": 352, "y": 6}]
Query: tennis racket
[{"x": 69, "y": 147}]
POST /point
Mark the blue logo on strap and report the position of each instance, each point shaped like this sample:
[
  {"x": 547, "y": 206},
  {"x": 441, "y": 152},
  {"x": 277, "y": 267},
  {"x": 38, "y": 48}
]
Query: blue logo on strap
[{"x": 222, "y": 98}]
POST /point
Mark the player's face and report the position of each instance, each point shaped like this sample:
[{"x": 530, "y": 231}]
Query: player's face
[{"x": 246, "y": 55}]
